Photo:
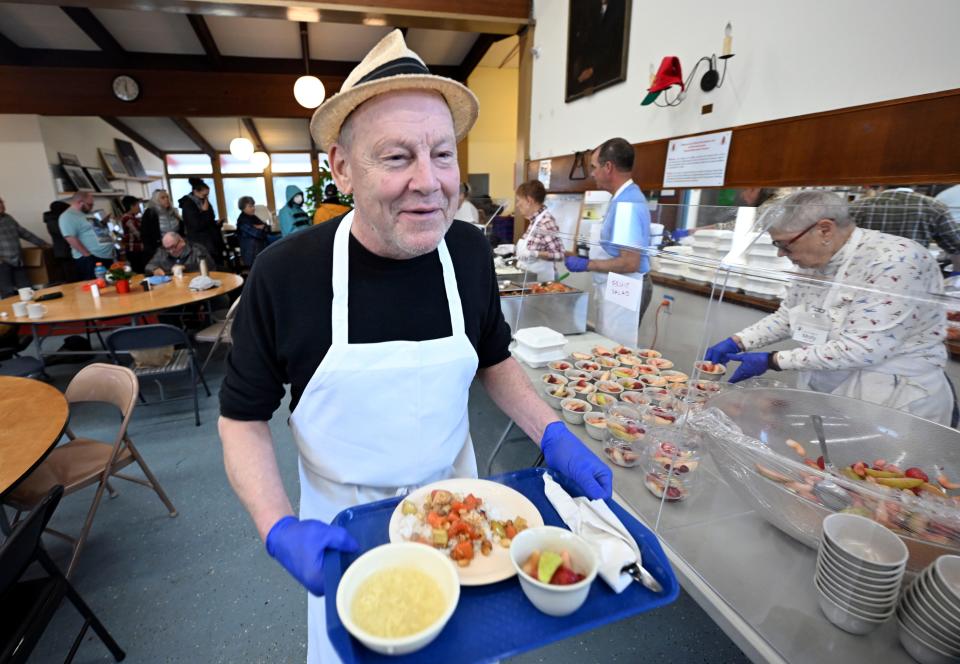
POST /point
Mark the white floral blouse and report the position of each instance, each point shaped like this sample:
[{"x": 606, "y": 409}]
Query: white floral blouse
[{"x": 871, "y": 320}]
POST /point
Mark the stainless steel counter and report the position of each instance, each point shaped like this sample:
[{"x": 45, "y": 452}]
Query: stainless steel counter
[{"x": 753, "y": 580}]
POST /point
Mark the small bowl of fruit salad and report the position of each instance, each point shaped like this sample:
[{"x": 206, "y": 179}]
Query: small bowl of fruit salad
[
  {"x": 596, "y": 424},
  {"x": 635, "y": 398},
  {"x": 624, "y": 424},
  {"x": 660, "y": 363},
  {"x": 631, "y": 360},
  {"x": 602, "y": 351},
  {"x": 552, "y": 381},
  {"x": 648, "y": 353},
  {"x": 674, "y": 377},
  {"x": 555, "y": 568},
  {"x": 608, "y": 362},
  {"x": 625, "y": 372},
  {"x": 623, "y": 350},
  {"x": 574, "y": 409},
  {"x": 601, "y": 400},
  {"x": 633, "y": 384},
  {"x": 647, "y": 370},
  {"x": 576, "y": 374},
  {"x": 710, "y": 370},
  {"x": 579, "y": 357},
  {"x": 609, "y": 387},
  {"x": 587, "y": 365},
  {"x": 582, "y": 386},
  {"x": 555, "y": 395},
  {"x": 559, "y": 366}
]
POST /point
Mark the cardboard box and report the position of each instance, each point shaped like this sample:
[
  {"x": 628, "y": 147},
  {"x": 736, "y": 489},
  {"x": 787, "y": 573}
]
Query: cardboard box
[{"x": 36, "y": 261}]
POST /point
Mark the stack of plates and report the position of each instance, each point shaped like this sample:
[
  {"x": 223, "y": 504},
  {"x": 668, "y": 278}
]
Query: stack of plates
[
  {"x": 860, "y": 566},
  {"x": 929, "y": 613}
]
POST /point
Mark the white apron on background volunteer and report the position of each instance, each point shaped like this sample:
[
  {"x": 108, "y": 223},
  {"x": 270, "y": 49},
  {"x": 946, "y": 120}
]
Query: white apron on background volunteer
[
  {"x": 544, "y": 269},
  {"x": 613, "y": 321},
  {"x": 379, "y": 419},
  {"x": 909, "y": 384}
]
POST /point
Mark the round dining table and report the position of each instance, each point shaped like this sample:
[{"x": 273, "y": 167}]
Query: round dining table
[
  {"x": 33, "y": 416},
  {"x": 78, "y": 305}
]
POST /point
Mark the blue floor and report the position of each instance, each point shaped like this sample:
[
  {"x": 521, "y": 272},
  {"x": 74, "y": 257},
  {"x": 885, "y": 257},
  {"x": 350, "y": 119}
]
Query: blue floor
[{"x": 199, "y": 587}]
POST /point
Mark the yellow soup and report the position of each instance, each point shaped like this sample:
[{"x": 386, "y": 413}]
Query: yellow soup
[{"x": 397, "y": 602}]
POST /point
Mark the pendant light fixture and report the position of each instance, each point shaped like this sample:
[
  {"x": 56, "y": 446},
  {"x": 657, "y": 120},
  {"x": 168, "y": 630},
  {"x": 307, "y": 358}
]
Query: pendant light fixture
[
  {"x": 308, "y": 90},
  {"x": 260, "y": 161},
  {"x": 241, "y": 147}
]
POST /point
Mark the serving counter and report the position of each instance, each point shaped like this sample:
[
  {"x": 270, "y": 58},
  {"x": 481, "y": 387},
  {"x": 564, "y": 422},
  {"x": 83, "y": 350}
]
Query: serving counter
[{"x": 754, "y": 581}]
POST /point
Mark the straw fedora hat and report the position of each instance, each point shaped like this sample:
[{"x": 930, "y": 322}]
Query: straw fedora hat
[{"x": 389, "y": 66}]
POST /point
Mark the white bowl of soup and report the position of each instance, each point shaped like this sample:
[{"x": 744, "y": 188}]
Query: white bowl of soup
[{"x": 396, "y": 598}]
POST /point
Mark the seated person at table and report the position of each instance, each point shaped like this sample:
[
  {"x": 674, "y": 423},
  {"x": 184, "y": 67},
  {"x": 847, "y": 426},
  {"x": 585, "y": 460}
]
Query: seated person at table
[{"x": 177, "y": 251}]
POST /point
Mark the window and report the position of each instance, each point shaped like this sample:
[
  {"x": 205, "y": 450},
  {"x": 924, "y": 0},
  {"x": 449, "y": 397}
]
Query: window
[
  {"x": 230, "y": 164},
  {"x": 234, "y": 188},
  {"x": 290, "y": 162},
  {"x": 280, "y": 184},
  {"x": 180, "y": 187},
  {"x": 189, "y": 164}
]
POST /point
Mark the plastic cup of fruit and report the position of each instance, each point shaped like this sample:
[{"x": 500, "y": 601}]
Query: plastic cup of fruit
[
  {"x": 555, "y": 396},
  {"x": 624, "y": 424},
  {"x": 596, "y": 424},
  {"x": 621, "y": 454},
  {"x": 554, "y": 600},
  {"x": 602, "y": 401},
  {"x": 426, "y": 559},
  {"x": 710, "y": 370},
  {"x": 574, "y": 409},
  {"x": 551, "y": 381},
  {"x": 658, "y": 395},
  {"x": 635, "y": 398},
  {"x": 661, "y": 416}
]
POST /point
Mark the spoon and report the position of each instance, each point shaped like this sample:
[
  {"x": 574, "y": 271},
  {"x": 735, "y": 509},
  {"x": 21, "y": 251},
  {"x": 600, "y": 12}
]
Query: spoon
[
  {"x": 829, "y": 492},
  {"x": 822, "y": 439},
  {"x": 642, "y": 576}
]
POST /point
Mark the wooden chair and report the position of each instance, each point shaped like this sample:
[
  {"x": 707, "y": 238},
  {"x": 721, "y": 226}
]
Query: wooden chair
[
  {"x": 82, "y": 462},
  {"x": 28, "y": 605},
  {"x": 218, "y": 333},
  {"x": 184, "y": 360}
]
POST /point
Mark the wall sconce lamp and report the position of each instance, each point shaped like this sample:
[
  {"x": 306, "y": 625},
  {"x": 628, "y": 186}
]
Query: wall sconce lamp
[{"x": 669, "y": 75}]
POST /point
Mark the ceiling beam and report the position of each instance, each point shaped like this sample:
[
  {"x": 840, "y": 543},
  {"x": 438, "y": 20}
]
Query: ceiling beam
[
  {"x": 254, "y": 134},
  {"x": 194, "y": 135},
  {"x": 125, "y": 129},
  {"x": 75, "y": 91},
  {"x": 202, "y": 30},
  {"x": 503, "y": 17},
  {"x": 94, "y": 29},
  {"x": 475, "y": 55},
  {"x": 41, "y": 57},
  {"x": 10, "y": 53}
]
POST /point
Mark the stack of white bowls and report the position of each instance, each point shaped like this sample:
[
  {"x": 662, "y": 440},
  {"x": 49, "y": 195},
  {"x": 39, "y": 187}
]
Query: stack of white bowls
[
  {"x": 929, "y": 613},
  {"x": 860, "y": 567}
]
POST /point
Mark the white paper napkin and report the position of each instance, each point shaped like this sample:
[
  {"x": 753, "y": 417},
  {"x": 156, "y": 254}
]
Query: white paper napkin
[{"x": 599, "y": 526}]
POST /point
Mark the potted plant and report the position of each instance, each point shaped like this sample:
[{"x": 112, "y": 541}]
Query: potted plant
[{"x": 120, "y": 275}]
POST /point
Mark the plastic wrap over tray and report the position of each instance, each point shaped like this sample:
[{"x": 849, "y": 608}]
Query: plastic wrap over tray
[{"x": 765, "y": 445}]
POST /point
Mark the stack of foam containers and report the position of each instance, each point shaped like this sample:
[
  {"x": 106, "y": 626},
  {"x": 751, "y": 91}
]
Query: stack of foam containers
[{"x": 537, "y": 346}]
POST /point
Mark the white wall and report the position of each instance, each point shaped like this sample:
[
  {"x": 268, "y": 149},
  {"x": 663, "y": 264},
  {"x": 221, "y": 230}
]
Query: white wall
[
  {"x": 26, "y": 184},
  {"x": 791, "y": 58},
  {"x": 82, "y": 136}
]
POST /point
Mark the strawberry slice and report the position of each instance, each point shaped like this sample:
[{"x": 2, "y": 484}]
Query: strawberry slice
[{"x": 564, "y": 576}]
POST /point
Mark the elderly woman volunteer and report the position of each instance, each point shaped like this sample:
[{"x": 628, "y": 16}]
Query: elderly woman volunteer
[
  {"x": 869, "y": 333},
  {"x": 401, "y": 296},
  {"x": 540, "y": 246}
]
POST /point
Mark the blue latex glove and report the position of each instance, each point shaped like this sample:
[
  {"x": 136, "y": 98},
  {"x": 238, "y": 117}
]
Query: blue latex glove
[
  {"x": 576, "y": 263},
  {"x": 751, "y": 365},
  {"x": 299, "y": 546},
  {"x": 720, "y": 353},
  {"x": 680, "y": 233},
  {"x": 565, "y": 453}
]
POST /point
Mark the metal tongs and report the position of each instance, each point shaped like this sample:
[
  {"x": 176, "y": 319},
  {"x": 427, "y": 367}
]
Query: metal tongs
[{"x": 642, "y": 576}]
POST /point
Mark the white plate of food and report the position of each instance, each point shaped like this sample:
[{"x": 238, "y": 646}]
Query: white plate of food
[{"x": 498, "y": 505}]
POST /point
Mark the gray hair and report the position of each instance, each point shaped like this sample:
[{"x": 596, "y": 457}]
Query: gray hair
[
  {"x": 803, "y": 209},
  {"x": 173, "y": 235},
  {"x": 155, "y": 203}
]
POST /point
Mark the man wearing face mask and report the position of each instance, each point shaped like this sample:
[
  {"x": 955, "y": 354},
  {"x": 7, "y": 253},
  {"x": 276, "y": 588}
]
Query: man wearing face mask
[
  {"x": 399, "y": 293},
  {"x": 292, "y": 216}
]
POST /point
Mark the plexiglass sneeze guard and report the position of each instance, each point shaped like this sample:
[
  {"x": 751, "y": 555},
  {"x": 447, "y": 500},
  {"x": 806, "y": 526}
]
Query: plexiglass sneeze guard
[{"x": 732, "y": 475}]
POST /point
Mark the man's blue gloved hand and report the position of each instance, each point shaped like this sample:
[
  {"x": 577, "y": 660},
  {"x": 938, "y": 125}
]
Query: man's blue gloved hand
[
  {"x": 565, "y": 453},
  {"x": 576, "y": 263},
  {"x": 680, "y": 233},
  {"x": 720, "y": 353},
  {"x": 299, "y": 546},
  {"x": 751, "y": 365}
]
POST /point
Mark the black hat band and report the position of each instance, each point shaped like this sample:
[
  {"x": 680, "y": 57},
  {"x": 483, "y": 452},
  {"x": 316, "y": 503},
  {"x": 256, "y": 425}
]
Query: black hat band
[{"x": 395, "y": 67}]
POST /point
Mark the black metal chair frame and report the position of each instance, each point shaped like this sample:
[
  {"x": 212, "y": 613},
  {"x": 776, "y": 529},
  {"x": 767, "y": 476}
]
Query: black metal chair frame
[
  {"x": 146, "y": 337},
  {"x": 45, "y": 594}
]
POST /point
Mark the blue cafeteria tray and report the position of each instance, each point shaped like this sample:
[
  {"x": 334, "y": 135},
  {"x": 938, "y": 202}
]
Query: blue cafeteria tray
[{"x": 496, "y": 621}]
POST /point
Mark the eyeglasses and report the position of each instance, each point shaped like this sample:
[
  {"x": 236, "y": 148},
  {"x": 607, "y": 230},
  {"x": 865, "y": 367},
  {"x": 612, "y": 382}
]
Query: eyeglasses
[{"x": 784, "y": 246}]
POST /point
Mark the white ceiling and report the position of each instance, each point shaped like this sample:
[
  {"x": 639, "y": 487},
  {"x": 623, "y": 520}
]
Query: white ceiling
[
  {"x": 42, "y": 26},
  {"x": 156, "y": 32},
  {"x": 218, "y": 131},
  {"x": 503, "y": 54},
  {"x": 161, "y": 132},
  {"x": 440, "y": 47},
  {"x": 342, "y": 42},
  {"x": 284, "y": 133},
  {"x": 255, "y": 37}
]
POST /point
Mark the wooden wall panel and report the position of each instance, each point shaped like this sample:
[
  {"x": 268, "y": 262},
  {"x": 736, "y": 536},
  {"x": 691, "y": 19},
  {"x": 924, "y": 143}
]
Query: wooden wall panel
[{"x": 901, "y": 141}]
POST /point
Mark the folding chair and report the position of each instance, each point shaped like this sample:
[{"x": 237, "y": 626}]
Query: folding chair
[
  {"x": 14, "y": 364},
  {"x": 183, "y": 362},
  {"x": 27, "y": 607},
  {"x": 218, "y": 333},
  {"x": 82, "y": 462}
]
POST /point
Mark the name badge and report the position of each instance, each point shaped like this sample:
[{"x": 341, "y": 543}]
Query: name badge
[{"x": 811, "y": 327}]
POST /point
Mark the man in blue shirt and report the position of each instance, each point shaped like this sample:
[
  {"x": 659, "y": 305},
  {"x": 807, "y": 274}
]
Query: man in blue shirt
[
  {"x": 617, "y": 246},
  {"x": 87, "y": 246}
]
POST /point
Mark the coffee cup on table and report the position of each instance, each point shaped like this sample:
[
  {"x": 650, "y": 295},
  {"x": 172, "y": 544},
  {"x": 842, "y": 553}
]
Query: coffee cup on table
[
  {"x": 20, "y": 309},
  {"x": 26, "y": 294},
  {"x": 36, "y": 311},
  {"x": 178, "y": 271}
]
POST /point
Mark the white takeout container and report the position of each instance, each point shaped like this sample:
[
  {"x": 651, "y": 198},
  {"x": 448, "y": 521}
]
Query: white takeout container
[
  {"x": 554, "y": 600},
  {"x": 403, "y": 554},
  {"x": 536, "y": 344}
]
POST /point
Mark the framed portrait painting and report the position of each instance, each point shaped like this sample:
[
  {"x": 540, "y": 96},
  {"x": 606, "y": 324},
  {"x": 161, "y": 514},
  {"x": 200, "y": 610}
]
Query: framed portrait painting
[
  {"x": 79, "y": 179},
  {"x": 598, "y": 38}
]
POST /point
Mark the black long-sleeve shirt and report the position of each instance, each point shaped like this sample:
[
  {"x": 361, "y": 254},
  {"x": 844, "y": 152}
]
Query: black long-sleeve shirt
[{"x": 282, "y": 329}]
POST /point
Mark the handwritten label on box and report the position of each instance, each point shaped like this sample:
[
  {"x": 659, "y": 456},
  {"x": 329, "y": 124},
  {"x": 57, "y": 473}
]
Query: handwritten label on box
[{"x": 624, "y": 291}]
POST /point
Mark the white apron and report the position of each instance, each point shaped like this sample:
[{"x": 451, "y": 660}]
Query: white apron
[
  {"x": 907, "y": 384},
  {"x": 379, "y": 419},
  {"x": 613, "y": 321},
  {"x": 544, "y": 269}
]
